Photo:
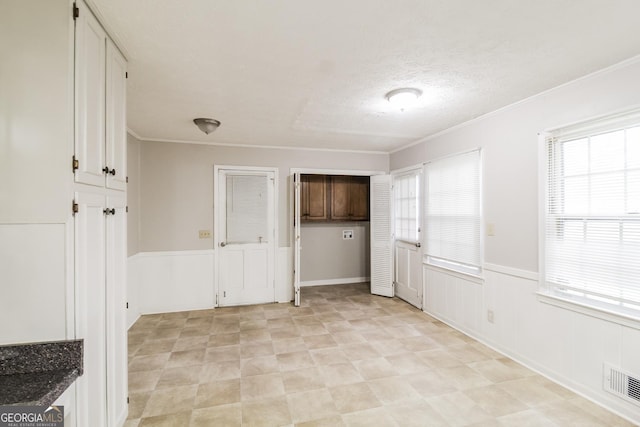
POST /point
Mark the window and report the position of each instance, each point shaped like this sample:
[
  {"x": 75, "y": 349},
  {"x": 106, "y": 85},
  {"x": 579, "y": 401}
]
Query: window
[
  {"x": 453, "y": 214},
  {"x": 406, "y": 194},
  {"x": 592, "y": 214}
]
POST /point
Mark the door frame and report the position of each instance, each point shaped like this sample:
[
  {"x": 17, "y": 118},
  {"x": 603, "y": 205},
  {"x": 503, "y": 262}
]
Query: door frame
[
  {"x": 216, "y": 224},
  {"x": 420, "y": 249},
  {"x": 295, "y": 244}
]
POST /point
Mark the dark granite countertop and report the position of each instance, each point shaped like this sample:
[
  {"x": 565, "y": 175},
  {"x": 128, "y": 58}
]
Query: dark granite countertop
[{"x": 38, "y": 373}]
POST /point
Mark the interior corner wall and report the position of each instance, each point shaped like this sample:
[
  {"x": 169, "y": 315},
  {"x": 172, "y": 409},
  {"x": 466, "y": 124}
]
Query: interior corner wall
[{"x": 565, "y": 345}]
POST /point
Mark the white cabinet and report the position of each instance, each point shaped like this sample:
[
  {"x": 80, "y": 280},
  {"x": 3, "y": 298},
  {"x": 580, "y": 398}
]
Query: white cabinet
[
  {"x": 116, "y": 121},
  {"x": 100, "y": 223},
  {"x": 100, "y": 140},
  {"x": 63, "y": 95},
  {"x": 91, "y": 319},
  {"x": 100, "y": 253},
  {"x": 116, "y": 301}
]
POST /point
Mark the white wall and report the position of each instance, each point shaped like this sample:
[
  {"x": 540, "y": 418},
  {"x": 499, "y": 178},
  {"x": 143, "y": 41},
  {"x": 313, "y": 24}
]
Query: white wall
[
  {"x": 176, "y": 187},
  {"x": 567, "y": 346},
  {"x": 173, "y": 199},
  {"x": 36, "y": 145},
  {"x": 326, "y": 258}
]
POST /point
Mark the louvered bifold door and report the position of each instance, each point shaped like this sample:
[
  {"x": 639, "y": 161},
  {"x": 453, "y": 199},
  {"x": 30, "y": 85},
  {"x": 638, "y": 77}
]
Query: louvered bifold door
[{"x": 381, "y": 236}]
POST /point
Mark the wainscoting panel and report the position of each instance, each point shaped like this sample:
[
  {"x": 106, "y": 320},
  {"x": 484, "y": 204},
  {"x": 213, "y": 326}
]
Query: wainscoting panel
[
  {"x": 175, "y": 281},
  {"x": 564, "y": 345},
  {"x": 163, "y": 282}
]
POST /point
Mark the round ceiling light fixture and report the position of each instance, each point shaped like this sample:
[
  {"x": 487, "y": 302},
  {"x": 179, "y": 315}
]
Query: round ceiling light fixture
[
  {"x": 404, "y": 97},
  {"x": 207, "y": 125}
]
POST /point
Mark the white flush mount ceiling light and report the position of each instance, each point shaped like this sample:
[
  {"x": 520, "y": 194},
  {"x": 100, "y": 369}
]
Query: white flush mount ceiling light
[
  {"x": 207, "y": 125},
  {"x": 404, "y": 97}
]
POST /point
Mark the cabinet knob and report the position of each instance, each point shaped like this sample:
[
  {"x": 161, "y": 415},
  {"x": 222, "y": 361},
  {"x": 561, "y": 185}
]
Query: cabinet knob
[
  {"x": 109, "y": 171},
  {"x": 108, "y": 211}
]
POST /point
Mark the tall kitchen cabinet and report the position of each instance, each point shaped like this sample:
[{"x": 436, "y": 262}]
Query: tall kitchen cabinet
[
  {"x": 99, "y": 164},
  {"x": 62, "y": 196}
]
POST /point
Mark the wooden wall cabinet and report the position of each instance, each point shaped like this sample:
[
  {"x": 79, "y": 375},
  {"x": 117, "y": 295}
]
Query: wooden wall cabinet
[
  {"x": 334, "y": 198},
  {"x": 314, "y": 204}
]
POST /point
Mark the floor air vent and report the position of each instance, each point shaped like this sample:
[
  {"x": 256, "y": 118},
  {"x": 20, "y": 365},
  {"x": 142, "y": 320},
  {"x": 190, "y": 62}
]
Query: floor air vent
[{"x": 622, "y": 384}]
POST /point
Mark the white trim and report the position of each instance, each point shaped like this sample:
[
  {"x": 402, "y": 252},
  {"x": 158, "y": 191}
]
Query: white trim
[
  {"x": 134, "y": 134},
  {"x": 511, "y": 271},
  {"x": 589, "y": 310},
  {"x": 478, "y": 280},
  {"x": 172, "y": 253},
  {"x": 407, "y": 169},
  {"x": 458, "y": 153},
  {"x": 462, "y": 125},
  {"x": 591, "y": 124},
  {"x": 334, "y": 172},
  {"x": 334, "y": 281},
  {"x": 266, "y": 147}
]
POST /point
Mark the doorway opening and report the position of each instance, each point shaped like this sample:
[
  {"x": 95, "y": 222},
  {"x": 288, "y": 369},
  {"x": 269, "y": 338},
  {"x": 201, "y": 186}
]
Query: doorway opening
[{"x": 333, "y": 232}]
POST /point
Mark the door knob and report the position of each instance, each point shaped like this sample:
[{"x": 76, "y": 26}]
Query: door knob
[{"x": 223, "y": 244}]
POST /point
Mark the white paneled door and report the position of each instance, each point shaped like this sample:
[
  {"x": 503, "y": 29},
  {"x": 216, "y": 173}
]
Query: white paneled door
[
  {"x": 245, "y": 236},
  {"x": 407, "y": 266},
  {"x": 408, "y": 272}
]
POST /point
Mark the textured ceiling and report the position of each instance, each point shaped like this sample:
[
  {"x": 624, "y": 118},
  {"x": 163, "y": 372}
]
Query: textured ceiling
[{"x": 304, "y": 73}]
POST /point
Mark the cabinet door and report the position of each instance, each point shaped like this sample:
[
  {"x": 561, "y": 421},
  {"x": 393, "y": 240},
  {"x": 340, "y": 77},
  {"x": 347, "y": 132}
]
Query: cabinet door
[
  {"x": 359, "y": 198},
  {"x": 116, "y": 127},
  {"x": 340, "y": 208},
  {"x": 314, "y": 198},
  {"x": 91, "y": 307},
  {"x": 116, "y": 276},
  {"x": 90, "y": 46}
]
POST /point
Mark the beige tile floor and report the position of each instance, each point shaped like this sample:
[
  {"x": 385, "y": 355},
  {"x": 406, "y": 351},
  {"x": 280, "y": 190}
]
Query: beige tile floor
[{"x": 345, "y": 358}]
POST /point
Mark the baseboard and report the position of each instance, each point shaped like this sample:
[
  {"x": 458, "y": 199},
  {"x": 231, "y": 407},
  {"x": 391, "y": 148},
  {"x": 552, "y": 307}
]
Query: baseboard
[{"x": 344, "y": 281}]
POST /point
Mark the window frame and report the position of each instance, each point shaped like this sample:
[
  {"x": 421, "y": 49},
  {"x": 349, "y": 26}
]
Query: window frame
[
  {"x": 549, "y": 292},
  {"x": 418, "y": 173},
  {"x": 455, "y": 265}
]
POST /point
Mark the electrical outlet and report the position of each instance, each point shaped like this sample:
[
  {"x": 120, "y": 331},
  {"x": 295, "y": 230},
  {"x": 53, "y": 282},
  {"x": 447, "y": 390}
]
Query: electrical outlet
[
  {"x": 204, "y": 234},
  {"x": 490, "y": 316},
  {"x": 347, "y": 234}
]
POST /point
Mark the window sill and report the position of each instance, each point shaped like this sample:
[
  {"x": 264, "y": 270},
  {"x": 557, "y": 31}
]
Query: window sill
[
  {"x": 589, "y": 310},
  {"x": 479, "y": 280}
]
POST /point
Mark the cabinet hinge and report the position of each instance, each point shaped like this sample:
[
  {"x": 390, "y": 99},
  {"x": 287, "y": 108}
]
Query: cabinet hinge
[
  {"x": 74, "y": 207},
  {"x": 127, "y": 180},
  {"x": 126, "y": 209},
  {"x": 127, "y": 305},
  {"x": 127, "y": 400},
  {"x": 75, "y": 164},
  {"x": 126, "y": 74},
  {"x": 76, "y": 12},
  {"x": 216, "y": 299}
]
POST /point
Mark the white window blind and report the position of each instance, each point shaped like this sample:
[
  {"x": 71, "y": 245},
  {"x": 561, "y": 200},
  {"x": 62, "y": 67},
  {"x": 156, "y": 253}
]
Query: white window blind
[
  {"x": 406, "y": 195},
  {"x": 592, "y": 224},
  {"x": 453, "y": 212}
]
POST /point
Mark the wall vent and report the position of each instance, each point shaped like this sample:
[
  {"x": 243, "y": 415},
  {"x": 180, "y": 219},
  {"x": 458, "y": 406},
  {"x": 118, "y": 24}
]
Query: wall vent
[{"x": 622, "y": 384}]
